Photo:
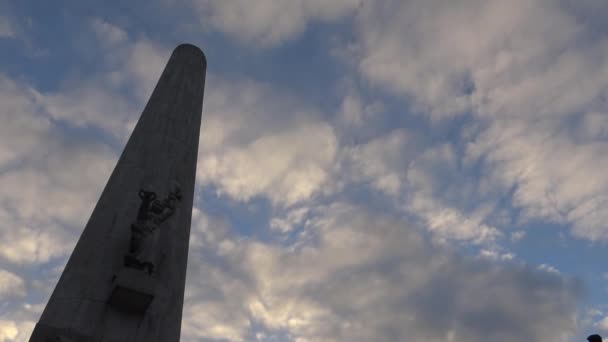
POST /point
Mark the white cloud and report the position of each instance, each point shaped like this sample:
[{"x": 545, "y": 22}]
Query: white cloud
[
  {"x": 451, "y": 224},
  {"x": 518, "y": 235},
  {"x": 603, "y": 324},
  {"x": 11, "y": 285},
  {"x": 431, "y": 183},
  {"x": 440, "y": 193},
  {"x": 267, "y": 22},
  {"x": 109, "y": 34},
  {"x": 496, "y": 255},
  {"x": 61, "y": 184},
  {"x": 554, "y": 176},
  {"x": 48, "y": 181},
  {"x": 34, "y": 227},
  {"x": 548, "y": 268},
  {"x": 292, "y": 218},
  {"x": 24, "y": 243},
  {"x": 112, "y": 98},
  {"x": 381, "y": 161},
  {"x": 24, "y": 125},
  {"x": 255, "y": 143},
  {"x": 15, "y": 331},
  {"x": 90, "y": 104},
  {"x": 6, "y": 28},
  {"x": 532, "y": 74},
  {"x": 365, "y": 277},
  {"x": 488, "y": 56},
  {"x": 354, "y": 111},
  {"x": 8, "y": 331},
  {"x": 287, "y": 167}
]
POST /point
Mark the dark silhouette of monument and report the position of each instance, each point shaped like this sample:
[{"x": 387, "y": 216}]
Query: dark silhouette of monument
[
  {"x": 594, "y": 338},
  {"x": 124, "y": 281}
]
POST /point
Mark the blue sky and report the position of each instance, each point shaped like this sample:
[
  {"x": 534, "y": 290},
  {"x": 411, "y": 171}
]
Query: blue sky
[{"x": 368, "y": 171}]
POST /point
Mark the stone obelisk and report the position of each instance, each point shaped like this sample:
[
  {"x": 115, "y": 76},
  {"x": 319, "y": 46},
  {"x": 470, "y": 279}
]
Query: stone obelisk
[{"x": 124, "y": 281}]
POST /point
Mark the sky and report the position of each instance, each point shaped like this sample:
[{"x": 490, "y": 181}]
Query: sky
[{"x": 415, "y": 170}]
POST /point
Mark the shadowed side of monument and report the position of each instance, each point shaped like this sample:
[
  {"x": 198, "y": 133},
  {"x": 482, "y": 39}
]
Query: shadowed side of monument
[{"x": 125, "y": 278}]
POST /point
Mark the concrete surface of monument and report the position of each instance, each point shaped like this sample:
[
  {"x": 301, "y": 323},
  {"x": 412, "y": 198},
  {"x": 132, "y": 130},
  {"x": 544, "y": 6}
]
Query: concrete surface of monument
[{"x": 125, "y": 278}]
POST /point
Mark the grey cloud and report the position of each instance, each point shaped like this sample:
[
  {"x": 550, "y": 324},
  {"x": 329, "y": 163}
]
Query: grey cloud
[
  {"x": 6, "y": 28},
  {"x": 111, "y": 98},
  {"x": 17, "y": 324},
  {"x": 381, "y": 160},
  {"x": 90, "y": 104},
  {"x": 490, "y": 57},
  {"x": 559, "y": 179},
  {"x": 268, "y": 23},
  {"x": 532, "y": 76},
  {"x": 24, "y": 124},
  {"x": 451, "y": 203},
  {"x": 11, "y": 330},
  {"x": 11, "y": 285},
  {"x": 45, "y": 199},
  {"x": 257, "y": 142},
  {"x": 47, "y": 182},
  {"x": 60, "y": 184},
  {"x": 362, "y": 276}
]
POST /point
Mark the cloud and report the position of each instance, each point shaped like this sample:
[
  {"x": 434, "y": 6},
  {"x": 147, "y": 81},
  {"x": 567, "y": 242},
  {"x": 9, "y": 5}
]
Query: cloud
[
  {"x": 24, "y": 124},
  {"x": 6, "y": 28},
  {"x": 90, "y": 104},
  {"x": 106, "y": 99},
  {"x": 255, "y": 142},
  {"x": 548, "y": 268},
  {"x": 554, "y": 176},
  {"x": 381, "y": 161},
  {"x": 48, "y": 197},
  {"x": 363, "y": 276},
  {"x": 17, "y": 324},
  {"x": 291, "y": 219},
  {"x": 531, "y": 79},
  {"x": 44, "y": 198},
  {"x": 17, "y": 331},
  {"x": 108, "y": 34},
  {"x": 287, "y": 167},
  {"x": 268, "y": 23},
  {"x": 495, "y": 255},
  {"x": 11, "y": 285},
  {"x": 448, "y": 199},
  {"x": 522, "y": 62},
  {"x": 8, "y": 330},
  {"x": 49, "y": 183},
  {"x": 110, "y": 98},
  {"x": 518, "y": 235}
]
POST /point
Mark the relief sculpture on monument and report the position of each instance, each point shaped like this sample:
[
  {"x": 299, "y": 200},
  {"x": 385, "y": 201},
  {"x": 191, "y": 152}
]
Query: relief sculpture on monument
[{"x": 145, "y": 231}]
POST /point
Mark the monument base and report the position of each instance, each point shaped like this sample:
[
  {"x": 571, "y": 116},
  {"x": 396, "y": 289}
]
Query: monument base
[{"x": 133, "y": 291}]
